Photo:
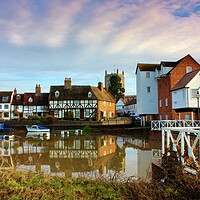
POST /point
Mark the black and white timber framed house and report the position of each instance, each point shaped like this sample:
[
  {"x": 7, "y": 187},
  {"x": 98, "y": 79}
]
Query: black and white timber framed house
[{"x": 81, "y": 102}]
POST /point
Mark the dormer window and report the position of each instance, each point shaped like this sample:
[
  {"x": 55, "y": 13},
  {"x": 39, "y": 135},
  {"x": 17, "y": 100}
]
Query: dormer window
[
  {"x": 30, "y": 100},
  {"x": 57, "y": 93},
  {"x": 5, "y": 99},
  {"x": 18, "y": 97},
  {"x": 89, "y": 94},
  {"x": 188, "y": 69}
]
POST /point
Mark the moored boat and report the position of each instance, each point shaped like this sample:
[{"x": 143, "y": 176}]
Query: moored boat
[
  {"x": 5, "y": 128},
  {"x": 37, "y": 128}
]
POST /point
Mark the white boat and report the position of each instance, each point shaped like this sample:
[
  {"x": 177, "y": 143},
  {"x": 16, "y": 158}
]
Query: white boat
[
  {"x": 38, "y": 134},
  {"x": 37, "y": 128}
]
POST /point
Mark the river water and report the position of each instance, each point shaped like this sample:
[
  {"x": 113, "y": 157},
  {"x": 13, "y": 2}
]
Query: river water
[{"x": 116, "y": 155}]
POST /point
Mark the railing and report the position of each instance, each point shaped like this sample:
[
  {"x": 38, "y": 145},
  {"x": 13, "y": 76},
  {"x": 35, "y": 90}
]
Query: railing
[
  {"x": 186, "y": 144},
  {"x": 160, "y": 124}
]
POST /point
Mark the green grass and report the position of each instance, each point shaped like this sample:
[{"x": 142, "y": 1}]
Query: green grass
[{"x": 19, "y": 185}]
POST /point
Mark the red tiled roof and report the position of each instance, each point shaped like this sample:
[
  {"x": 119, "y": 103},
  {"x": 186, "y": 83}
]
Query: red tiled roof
[
  {"x": 185, "y": 80},
  {"x": 37, "y": 99},
  {"x": 17, "y": 99}
]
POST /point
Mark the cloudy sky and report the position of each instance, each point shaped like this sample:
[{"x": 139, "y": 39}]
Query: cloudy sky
[{"x": 44, "y": 41}]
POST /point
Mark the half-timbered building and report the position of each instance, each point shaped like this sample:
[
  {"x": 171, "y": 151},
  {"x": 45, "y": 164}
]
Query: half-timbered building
[
  {"x": 81, "y": 102},
  {"x": 35, "y": 104}
]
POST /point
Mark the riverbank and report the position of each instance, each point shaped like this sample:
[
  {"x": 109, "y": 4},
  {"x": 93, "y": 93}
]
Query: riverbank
[{"x": 26, "y": 185}]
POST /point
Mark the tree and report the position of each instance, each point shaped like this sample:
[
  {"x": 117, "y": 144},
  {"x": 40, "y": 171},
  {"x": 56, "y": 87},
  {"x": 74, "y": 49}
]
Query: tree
[{"x": 115, "y": 87}]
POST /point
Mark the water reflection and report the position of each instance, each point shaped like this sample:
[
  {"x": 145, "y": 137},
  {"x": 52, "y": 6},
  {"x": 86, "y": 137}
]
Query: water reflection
[{"x": 80, "y": 155}]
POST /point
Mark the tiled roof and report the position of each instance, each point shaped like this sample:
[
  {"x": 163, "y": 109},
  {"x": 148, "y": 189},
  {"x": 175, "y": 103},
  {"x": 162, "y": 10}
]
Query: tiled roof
[
  {"x": 17, "y": 99},
  {"x": 37, "y": 99},
  {"x": 5, "y": 97},
  {"x": 79, "y": 93},
  {"x": 185, "y": 79}
]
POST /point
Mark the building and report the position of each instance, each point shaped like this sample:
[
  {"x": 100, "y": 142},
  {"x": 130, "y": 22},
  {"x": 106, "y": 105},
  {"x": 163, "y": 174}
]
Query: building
[
  {"x": 81, "y": 102},
  {"x": 108, "y": 76},
  {"x": 5, "y": 104},
  {"x": 17, "y": 105},
  {"x": 155, "y": 83},
  {"x": 147, "y": 91},
  {"x": 35, "y": 104},
  {"x": 185, "y": 99}
]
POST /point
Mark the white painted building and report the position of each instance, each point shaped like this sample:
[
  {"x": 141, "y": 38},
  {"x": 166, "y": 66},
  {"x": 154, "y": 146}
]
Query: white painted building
[
  {"x": 5, "y": 104},
  {"x": 185, "y": 93},
  {"x": 147, "y": 93}
]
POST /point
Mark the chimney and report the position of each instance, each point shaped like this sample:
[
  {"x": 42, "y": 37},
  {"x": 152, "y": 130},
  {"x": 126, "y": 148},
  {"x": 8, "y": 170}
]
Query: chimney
[
  {"x": 15, "y": 91},
  {"x": 67, "y": 83},
  {"x": 100, "y": 86},
  {"x": 37, "y": 89}
]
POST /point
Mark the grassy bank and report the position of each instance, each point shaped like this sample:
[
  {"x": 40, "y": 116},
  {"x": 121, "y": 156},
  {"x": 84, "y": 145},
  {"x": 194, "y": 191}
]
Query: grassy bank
[{"x": 25, "y": 185}]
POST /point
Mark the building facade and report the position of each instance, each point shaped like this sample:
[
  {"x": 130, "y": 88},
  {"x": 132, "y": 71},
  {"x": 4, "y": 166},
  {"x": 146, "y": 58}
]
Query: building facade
[
  {"x": 5, "y": 105},
  {"x": 155, "y": 83},
  {"x": 81, "y": 102}
]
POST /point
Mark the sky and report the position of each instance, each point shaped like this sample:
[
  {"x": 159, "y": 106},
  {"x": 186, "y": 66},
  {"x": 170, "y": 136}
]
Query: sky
[{"x": 45, "y": 41}]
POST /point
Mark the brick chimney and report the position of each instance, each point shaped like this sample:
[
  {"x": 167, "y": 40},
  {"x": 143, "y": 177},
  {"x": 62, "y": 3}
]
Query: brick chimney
[
  {"x": 15, "y": 91},
  {"x": 67, "y": 83},
  {"x": 37, "y": 89},
  {"x": 100, "y": 86}
]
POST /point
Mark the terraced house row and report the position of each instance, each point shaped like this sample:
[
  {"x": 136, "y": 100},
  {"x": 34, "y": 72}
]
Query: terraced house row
[{"x": 64, "y": 102}]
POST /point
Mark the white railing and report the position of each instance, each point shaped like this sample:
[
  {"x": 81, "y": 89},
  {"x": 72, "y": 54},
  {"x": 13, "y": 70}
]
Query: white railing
[
  {"x": 186, "y": 143},
  {"x": 160, "y": 124}
]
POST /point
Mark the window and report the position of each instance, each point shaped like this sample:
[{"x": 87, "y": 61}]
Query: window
[
  {"x": 147, "y": 74},
  {"x": 160, "y": 103},
  {"x": 30, "y": 100},
  {"x": 148, "y": 89},
  {"x": 187, "y": 117},
  {"x": 6, "y": 114},
  {"x": 166, "y": 102},
  {"x": 194, "y": 93},
  {"x": 188, "y": 69},
  {"x": 89, "y": 94},
  {"x": 0, "y": 106},
  {"x": 18, "y": 97},
  {"x": 104, "y": 103},
  {"x": 5, "y": 106},
  {"x": 166, "y": 117},
  {"x": 4, "y": 99},
  {"x": 57, "y": 93}
]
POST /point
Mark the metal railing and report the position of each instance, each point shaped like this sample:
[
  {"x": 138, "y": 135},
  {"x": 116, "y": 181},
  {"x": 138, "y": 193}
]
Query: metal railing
[
  {"x": 160, "y": 124},
  {"x": 186, "y": 144}
]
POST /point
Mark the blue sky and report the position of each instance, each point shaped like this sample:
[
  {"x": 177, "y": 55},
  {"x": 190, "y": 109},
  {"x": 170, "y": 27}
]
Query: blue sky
[{"x": 44, "y": 41}]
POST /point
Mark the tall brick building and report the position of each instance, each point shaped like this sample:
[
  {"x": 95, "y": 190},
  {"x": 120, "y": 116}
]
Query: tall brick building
[{"x": 155, "y": 83}]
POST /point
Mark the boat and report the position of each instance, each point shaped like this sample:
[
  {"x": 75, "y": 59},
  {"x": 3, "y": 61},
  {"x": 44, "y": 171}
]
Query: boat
[
  {"x": 5, "y": 128},
  {"x": 39, "y": 134},
  {"x": 37, "y": 128}
]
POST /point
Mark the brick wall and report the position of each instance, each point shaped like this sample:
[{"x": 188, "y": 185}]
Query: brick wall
[{"x": 165, "y": 84}]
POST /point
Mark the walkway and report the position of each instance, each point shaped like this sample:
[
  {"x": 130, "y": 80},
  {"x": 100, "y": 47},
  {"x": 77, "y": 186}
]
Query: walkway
[{"x": 161, "y": 124}]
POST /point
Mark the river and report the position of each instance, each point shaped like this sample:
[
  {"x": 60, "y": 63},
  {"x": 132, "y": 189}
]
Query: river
[{"x": 113, "y": 156}]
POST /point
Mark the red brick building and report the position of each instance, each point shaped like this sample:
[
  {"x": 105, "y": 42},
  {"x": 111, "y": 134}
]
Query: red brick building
[{"x": 167, "y": 81}]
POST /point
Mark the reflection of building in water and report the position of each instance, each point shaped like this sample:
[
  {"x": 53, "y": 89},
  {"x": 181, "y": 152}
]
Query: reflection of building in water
[
  {"x": 82, "y": 155},
  {"x": 146, "y": 153},
  {"x": 66, "y": 157}
]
